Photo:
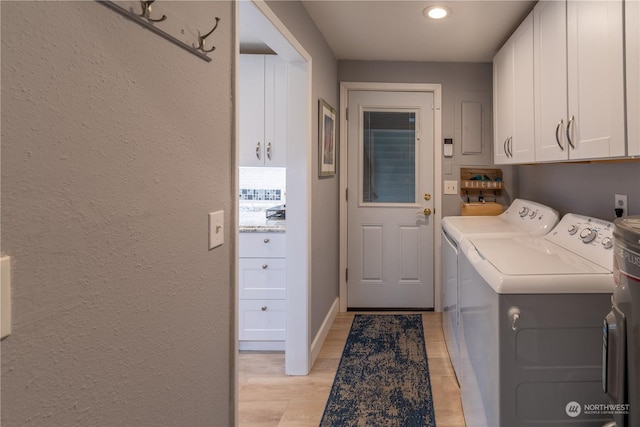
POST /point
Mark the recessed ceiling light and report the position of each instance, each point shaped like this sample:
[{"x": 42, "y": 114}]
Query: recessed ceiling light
[{"x": 436, "y": 12}]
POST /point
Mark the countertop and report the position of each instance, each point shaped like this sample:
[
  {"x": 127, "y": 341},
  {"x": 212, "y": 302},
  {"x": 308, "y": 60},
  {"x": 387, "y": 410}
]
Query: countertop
[{"x": 256, "y": 222}]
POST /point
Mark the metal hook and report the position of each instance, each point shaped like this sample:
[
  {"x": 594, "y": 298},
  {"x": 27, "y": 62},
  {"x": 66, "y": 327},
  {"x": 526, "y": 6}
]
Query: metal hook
[
  {"x": 146, "y": 11},
  {"x": 201, "y": 39}
]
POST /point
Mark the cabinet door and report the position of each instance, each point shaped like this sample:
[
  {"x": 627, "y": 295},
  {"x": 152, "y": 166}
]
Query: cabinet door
[
  {"x": 513, "y": 97},
  {"x": 595, "y": 79},
  {"x": 262, "y": 320},
  {"x": 550, "y": 80},
  {"x": 275, "y": 111},
  {"x": 632, "y": 14},
  {"x": 251, "y": 126},
  {"x": 503, "y": 103},
  {"x": 262, "y": 278},
  {"x": 522, "y": 144},
  {"x": 262, "y": 245}
]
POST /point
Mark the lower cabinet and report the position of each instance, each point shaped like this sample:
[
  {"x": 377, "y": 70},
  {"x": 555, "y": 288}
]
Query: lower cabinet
[
  {"x": 262, "y": 317},
  {"x": 262, "y": 320}
]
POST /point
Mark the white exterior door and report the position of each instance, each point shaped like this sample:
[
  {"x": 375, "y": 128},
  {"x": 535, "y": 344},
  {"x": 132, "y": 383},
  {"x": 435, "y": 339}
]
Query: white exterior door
[{"x": 390, "y": 183}]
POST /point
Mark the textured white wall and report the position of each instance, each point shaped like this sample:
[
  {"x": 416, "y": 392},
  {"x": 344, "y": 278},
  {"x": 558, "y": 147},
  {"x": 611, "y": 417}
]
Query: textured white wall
[{"x": 115, "y": 146}]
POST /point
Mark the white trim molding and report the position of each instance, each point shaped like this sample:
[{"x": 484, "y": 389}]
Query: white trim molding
[
  {"x": 277, "y": 36},
  {"x": 318, "y": 341}
]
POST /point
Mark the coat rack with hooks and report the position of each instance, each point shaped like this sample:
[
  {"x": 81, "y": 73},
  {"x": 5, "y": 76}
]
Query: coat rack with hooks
[{"x": 149, "y": 19}]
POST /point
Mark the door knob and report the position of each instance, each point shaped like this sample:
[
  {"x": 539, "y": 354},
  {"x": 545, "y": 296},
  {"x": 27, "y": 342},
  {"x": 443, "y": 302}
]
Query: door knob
[{"x": 426, "y": 211}]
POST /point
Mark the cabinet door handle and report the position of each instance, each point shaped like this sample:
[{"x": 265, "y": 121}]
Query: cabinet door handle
[
  {"x": 569, "y": 123},
  {"x": 510, "y": 146},
  {"x": 269, "y": 151},
  {"x": 266, "y": 240},
  {"x": 258, "y": 150},
  {"x": 557, "y": 137},
  {"x": 265, "y": 266},
  {"x": 263, "y": 308},
  {"x": 504, "y": 147}
]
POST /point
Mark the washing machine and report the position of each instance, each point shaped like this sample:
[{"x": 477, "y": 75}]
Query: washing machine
[
  {"x": 531, "y": 311},
  {"x": 523, "y": 217},
  {"x": 621, "y": 331}
]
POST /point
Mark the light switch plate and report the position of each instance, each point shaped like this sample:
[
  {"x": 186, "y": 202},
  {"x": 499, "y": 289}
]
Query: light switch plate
[
  {"x": 216, "y": 229},
  {"x": 451, "y": 187},
  {"x": 5, "y": 295}
]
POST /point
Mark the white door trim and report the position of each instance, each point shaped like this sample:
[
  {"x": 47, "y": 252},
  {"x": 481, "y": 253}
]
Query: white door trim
[
  {"x": 299, "y": 169},
  {"x": 345, "y": 87}
]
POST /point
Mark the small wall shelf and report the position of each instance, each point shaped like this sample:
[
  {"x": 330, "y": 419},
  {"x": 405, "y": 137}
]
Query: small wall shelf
[{"x": 478, "y": 180}]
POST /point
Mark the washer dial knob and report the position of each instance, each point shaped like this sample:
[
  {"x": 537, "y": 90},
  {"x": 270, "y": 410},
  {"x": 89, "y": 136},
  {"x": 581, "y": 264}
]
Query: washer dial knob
[
  {"x": 607, "y": 243},
  {"x": 524, "y": 211},
  {"x": 573, "y": 229},
  {"x": 588, "y": 235},
  {"x": 533, "y": 214}
]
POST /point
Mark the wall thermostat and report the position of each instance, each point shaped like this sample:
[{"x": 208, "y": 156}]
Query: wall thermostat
[{"x": 448, "y": 147}]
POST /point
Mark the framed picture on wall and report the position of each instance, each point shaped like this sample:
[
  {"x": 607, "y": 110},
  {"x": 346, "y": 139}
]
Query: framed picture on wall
[{"x": 326, "y": 139}]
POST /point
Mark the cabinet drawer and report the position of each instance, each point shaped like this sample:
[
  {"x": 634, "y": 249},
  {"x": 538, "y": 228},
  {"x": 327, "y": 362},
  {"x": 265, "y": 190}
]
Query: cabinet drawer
[
  {"x": 262, "y": 245},
  {"x": 262, "y": 320},
  {"x": 262, "y": 278}
]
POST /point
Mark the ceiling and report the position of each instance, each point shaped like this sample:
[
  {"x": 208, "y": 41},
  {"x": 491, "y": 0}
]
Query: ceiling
[{"x": 383, "y": 30}]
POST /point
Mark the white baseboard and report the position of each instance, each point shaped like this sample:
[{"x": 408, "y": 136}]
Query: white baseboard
[{"x": 316, "y": 345}]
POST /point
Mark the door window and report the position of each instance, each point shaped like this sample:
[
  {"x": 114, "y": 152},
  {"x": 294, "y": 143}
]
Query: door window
[{"x": 388, "y": 157}]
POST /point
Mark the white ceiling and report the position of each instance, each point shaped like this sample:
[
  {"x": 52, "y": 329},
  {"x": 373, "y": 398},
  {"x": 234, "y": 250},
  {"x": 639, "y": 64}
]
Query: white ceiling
[{"x": 386, "y": 30}]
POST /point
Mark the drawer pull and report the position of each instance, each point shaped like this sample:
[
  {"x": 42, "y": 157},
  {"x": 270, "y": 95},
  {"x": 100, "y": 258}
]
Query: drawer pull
[
  {"x": 264, "y": 266},
  {"x": 263, "y": 308},
  {"x": 266, "y": 240}
]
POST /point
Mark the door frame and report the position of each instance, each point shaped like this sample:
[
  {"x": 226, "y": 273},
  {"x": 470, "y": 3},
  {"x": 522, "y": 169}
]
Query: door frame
[
  {"x": 436, "y": 89},
  {"x": 299, "y": 177}
]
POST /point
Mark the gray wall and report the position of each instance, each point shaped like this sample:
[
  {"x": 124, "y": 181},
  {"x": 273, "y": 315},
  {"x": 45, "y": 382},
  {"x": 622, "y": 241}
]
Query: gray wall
[
  {"x": 115, "y": 146},
  {"x": 324, "y": 198},
  {"x": 582, "y": 188},
  {"x": 457, "y": 79}
]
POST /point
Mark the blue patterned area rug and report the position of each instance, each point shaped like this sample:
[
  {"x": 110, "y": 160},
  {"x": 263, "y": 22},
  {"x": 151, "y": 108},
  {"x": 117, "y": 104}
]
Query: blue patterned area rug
[{"x": 383, "y": 376}]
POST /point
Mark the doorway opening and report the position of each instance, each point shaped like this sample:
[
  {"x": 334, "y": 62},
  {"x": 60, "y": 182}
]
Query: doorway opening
[
  {"x": 431, "y": 217},
  {"x": 257, "y": 24}
]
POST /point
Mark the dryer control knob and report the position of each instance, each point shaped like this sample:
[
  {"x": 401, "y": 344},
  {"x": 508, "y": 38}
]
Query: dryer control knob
[
  {"x": 524, "y": 211},
  {"x": 588, "y": 235},
  {"x": 607, "y": 243},
  {"x": 533, "y": 214},
  {"x": 573, "y": 229}
]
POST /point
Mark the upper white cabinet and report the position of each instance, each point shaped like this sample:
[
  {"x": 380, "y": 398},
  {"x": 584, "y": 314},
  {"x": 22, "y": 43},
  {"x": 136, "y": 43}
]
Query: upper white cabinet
[
  {"x": 578, "y": 80},
  {"x": 513, "y": 98},
  {"x": 632, "y": 14},
  {"x": 263, "y": 111}
]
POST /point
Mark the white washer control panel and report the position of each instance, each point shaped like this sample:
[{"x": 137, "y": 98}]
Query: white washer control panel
[
  {"x": 534, "y": 218},
  {"x": 591, "y": 238}
]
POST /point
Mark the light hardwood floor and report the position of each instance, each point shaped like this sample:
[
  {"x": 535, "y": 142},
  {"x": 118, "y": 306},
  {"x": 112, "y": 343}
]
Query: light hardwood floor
[{"x": 269, "y": 398}]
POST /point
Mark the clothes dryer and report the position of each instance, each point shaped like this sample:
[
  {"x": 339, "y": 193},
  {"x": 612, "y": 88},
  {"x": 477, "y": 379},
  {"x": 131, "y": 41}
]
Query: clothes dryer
[{"x": 523, "y": 217}]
